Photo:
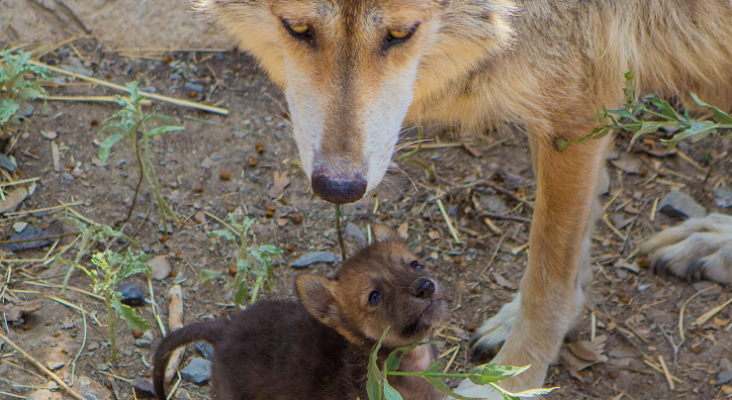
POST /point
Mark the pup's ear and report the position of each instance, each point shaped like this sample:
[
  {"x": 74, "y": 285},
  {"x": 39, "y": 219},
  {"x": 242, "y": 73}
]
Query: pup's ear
[
  {"x": 316, "y": 293},
  {"x": 383, "y": 233}
]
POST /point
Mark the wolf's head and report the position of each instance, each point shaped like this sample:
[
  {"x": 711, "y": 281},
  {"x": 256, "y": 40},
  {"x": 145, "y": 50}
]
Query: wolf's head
[{"x": 350, "y": 70}]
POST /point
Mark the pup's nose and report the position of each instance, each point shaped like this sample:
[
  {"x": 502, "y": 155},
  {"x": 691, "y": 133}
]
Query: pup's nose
[
  {"x": 339, "y": 190},
  {"x": 424, "y": 288}
]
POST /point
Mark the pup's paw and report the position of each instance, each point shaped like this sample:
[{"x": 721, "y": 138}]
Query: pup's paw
[
  {"x": 469, "y": 389},
  {"x": 700, "y": 248},
  {"x": 495, "y": 331}
]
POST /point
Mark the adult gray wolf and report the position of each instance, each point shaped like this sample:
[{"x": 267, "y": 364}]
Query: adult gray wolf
[{"x": 354, "y": 71}]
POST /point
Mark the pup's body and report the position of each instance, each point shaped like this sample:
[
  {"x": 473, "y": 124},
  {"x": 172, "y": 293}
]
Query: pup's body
[
  {"x": 354, "y": 71},
  {"x": 319, "y": 349}
]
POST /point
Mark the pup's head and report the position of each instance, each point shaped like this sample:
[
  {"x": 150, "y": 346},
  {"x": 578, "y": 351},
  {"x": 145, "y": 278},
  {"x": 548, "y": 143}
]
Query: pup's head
[
  {"x": 351, "y": 68},
  {"x": 382, "y": 285}
]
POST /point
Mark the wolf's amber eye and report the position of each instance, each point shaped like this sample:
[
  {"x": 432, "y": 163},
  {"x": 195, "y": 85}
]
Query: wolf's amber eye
[
  {"x": 396, "y": 36},
  {"x": 374, "y": 297},
  {"x": 415, "y": 265},
  {"x": 298, "y": 31}
]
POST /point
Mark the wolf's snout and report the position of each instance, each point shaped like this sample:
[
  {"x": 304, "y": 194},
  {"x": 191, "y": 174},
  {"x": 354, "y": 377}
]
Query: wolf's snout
[
  {"x": 424, "y": 288},
  {"x": 338, "y": 190}
]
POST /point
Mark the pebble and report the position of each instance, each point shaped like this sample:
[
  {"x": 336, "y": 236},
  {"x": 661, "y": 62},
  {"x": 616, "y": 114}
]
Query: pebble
[
  {"x": 715, "y": 290},
  {"x": 91, "y": 389},
  {"x": 621, "y": 274},
  {"x": 44, "y": 394},
  {"x": 133, "y": 294},
  {"x": 145, "y": 340},
  {"x": 724, "y": 377},
  {"x": 7, "y": 163},
  {"x": 207, "y": 163},
  {"x": 26, "y": 110},
  {"x": 49, "y": 135},
  {"x": 160, "y": 267},
  {"x": 63, "y": 53},
  {"x": 19, "y": 226},
  {"x": 723, "y": 197},
  {"x": 206, "y": 349},
  {"x": 67, "y": 176},
  {"x": 143, "y": 385},
  {"x": 312, "y": 258},
  {"x": 355, "y": 232},
  {"x": 28, "y": 233},
  {"x": 197, "y": 371},
  {"x": 174, "y": 77},
  {"x": 193, "y": 87},
  {"x": 494, "y": 204},
  {"x": 677, "y": 204},
  {"x": 120, "y": 163},
  {"x": 55, "y": 364},
  {"x": 170, "y": 228},
  {"x": 487, "y": 299},
  {"x": 628, "y": 163}
]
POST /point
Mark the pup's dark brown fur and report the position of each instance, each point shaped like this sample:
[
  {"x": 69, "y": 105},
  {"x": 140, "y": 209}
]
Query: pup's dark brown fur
[{"x": 318, "y": 348}]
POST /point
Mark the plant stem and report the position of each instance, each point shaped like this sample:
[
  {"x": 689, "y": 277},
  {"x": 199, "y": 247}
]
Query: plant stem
[
  {"x": 339, "y": 215},
  {"x": 436, "y": 375},
  {"x": 110, "y": 323}
]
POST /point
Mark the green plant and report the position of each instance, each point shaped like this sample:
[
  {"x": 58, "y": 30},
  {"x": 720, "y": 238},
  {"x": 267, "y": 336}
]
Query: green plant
[
  {"x": 111, "y": 269},
  {"x": 688, "y": 128},
  {"x": 378, "y": 387},
  {"x": 132, "y": 122},
  {"x": 256, "y": 260},
  {"x": 15, "y": 89}
]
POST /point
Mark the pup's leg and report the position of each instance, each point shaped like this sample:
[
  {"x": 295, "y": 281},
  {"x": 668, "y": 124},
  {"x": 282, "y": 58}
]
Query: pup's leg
[
  {"x": 534, "y": 324},
  {"x": 700, "y": 248}
]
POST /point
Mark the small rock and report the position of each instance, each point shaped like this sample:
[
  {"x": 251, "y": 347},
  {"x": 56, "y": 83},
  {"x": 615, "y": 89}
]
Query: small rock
[
  {"x": 26, "y": 110},
  {"x": 49, "y": 135},
  {"x": 193, "y": 87},
  {"x": 355, "y": 232},
  {"x": 621, "y": 274},
  {"x": 628, "y": 163},
  {"x": 67, "y": 176},
  {"x": 92, "y": 390},
  {"x": 723, "y": 197},
  {"x": 44, "y": 394},
  {"x": 120, "y": 163},
  {"x": 19, "y": 226},
  {"x": 145, "y": 340},
  {"x": 7, "y": 163},
  {"x": 63, "y": 53},
  {"x": 680, "y": 205},
  {"x": 143, "y": 385},
  {"x": 32, "y": 232},
  {"x": 312, "y": 258},
  {"x": 207, "y": 163},
  {"x": 452, "y": 211},
  {"x": 643, "y": 287},
  {"x": 12, "y": 200},
  {"x": 160, "y": 267},
  {"x": 704, "y": 286},
  {"x": 494, "y": 204},
  {"x": 724, "y": 377},
  {"x": 197, "y": 371},
  {"x": 55, "y": 364},
  {"x": 206, "y": 349},
  {"x": 97, "y": 162},
  {"x": 133, "y": 294},
  {"x": 170, "y": 228},
  {"x": 620, "y": 221},
  {"x": 725, "y": 365},
  {"x": 487, "y": 299}
]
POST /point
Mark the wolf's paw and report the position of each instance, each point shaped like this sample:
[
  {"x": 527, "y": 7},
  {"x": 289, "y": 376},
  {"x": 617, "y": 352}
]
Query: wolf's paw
[
  {"x": 700, "y": 248},
  {"x": 495, "y": 331}
]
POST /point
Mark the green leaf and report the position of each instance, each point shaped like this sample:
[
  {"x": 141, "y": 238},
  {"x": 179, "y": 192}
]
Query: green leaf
[
  {"x": 268, "y": 248},
  {"x": 486, "y": 373},
  {"x": 208, "y": 275},
  {"x": 665, "y": 108},
  {"x": 241, "y": 293},
  {"x": 224, "y": 234},
  {"x": 8, "y": 108},
  {"x": 697, "y": 131},
  {"x": 128, "y": 314},
  {"x": 373, "y": 374},
  {"x": 395, "y": 358},
  {"x": 719, "y": 116},
  {"x": 165, "y": 129},
  {"x": 390, "y": 393},
  {"x": 646, "y": 128},
  {"x": 443, "y": 388}
]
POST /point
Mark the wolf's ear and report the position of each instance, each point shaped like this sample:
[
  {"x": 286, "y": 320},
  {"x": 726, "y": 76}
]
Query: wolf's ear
[
  {"x": 316, "y": 293},
  {"x": 383, "y": 233}
]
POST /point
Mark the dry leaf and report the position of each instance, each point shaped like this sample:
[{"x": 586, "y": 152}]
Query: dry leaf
[
  {"x": 200, "y": 217},
  {"x": 434, "y": 235},
  {"x": 282, "y": 221},
  {"x": 501, "y": 281},
  {"x": 280, "y": 183},
  {"x": 720, "y": 321},
  {"x": 580, "y": 355},
  {"x": 14, "y": 312},
  {"x": 404, "y": 230},
  {"x": 727, "y": 389}
]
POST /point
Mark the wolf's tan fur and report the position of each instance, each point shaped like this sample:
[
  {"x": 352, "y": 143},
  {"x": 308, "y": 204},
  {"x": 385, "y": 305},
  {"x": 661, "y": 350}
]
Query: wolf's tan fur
[{"x": 543, "y": 65}]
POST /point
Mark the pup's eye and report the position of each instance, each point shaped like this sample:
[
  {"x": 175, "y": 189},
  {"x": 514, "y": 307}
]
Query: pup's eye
[
  {"x": 298, "y": 31},
  {"x": 415, "y": 265},
  {"x": 374, "y": 297},
  {"x": 396, "y": 36}
]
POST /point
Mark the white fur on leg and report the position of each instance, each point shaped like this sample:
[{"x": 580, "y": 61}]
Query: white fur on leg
[
  {"x": 495, "y": 331},
  {"x": 700, "y": 248}
]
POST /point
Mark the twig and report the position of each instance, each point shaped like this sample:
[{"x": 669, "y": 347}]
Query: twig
[
  {"x": 493, "y": 257},
  {"x": 509, "y": 194},
  {"x": 175, "y": 321},
  {"x": 654, "y": 208},
  {"x": 453, "y": 231},
  {"x": 172, "y": 100},
  {"x": 222, "y": 222},
  {"x": 83, "y": 344},
  {"x": 665, "y": 371},
  {"x": 709, "y": 314},
  {"x": 681, "y": 313},
  {"x": 90, "y": 99},
  {"x": 505, "y": 217},
  {"x": 20, "y": 182},
  {"x": 37, "y": 210},
  {"x": 613, "y": 228},
  {"x": 154, "y": 306},
  {"x": 40, "y": 366}
]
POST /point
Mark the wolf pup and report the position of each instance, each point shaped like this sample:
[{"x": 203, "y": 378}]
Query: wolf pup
[
  {"x": 319, "y": 347},
  {"x": 355, "y": 71}
]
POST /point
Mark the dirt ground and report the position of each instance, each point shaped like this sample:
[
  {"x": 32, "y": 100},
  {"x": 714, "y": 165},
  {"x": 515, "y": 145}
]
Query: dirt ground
[{"x": 636, "y": 314}]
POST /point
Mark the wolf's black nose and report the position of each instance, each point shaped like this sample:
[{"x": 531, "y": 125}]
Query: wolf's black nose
[
  {"x": 339, "y": 191},
  {"x": 424, "y": 288}
]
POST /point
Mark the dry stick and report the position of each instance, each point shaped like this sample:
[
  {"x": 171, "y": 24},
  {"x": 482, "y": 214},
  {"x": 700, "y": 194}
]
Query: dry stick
[
  {"x": 709, "y": 314},
  {"x": 665, "y": 372},
  {"x": 89, "y": 99},
  {"x": 452, "y": 229},
  {"x": 172, "y": 100},
  {"x": 175, "y": 321},
  {"x": 43, "y": 369},
  {"x": 493, "y": 257},
  {"x": 20, "y": 182},
  {"x": 509, "y": 194},
  {"x": 674, "y": 346},
  {"x": 78, "y": 203},
  {"x": 681, "y": 313},
  {"x": 504, "y": 217}
]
